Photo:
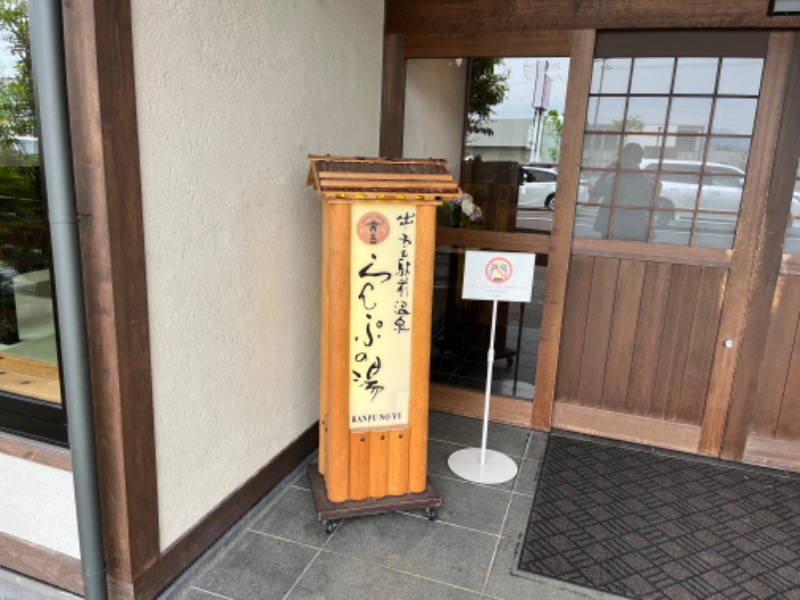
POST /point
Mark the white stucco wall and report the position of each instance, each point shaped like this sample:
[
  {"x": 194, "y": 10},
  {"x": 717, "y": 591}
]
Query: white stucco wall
[
  {"x": 434, "y": 118},
  {"x": 232, "y": 97},
  {"x": 37, "y": 504}
]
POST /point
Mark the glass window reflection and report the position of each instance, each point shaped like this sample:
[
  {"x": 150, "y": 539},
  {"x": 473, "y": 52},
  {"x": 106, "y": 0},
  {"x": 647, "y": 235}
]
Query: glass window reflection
[
  {"x": 690, "y": 115},
  {"x": 611, "y": 75},
  {"x": 513, "y": 142},
  {"x": 740, "y": 76},
  {"x": 652, "y": 76},
  {"x": 695, "y": 76},
  {"x": 646, "y": 114},
  {"x": 460, "y": 333},
  {"x": 605, "y": 113},
  {"x": 27, "y": 324},
  {"x": 734, "y": 116},
  {"x": 693, "y": 148}
]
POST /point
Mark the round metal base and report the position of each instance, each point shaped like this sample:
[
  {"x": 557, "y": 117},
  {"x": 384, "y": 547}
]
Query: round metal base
[{"x": 497, "y": 468}]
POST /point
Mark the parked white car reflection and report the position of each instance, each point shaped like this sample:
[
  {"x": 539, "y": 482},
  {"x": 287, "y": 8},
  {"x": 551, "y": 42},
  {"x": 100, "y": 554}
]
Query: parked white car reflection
[
  {"x": 538, "y": 188},
  {"x": 720, "y": 191}
]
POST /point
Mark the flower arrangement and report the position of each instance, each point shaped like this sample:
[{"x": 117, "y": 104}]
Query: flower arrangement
[{"x": 462, "y": 211}]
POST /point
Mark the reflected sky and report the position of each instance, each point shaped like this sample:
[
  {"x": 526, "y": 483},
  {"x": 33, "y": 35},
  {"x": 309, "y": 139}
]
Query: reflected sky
[{"x": 517, "y": 104}]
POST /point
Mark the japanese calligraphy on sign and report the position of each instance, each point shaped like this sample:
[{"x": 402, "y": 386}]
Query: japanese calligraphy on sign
[{"x": 381, "y": 285}]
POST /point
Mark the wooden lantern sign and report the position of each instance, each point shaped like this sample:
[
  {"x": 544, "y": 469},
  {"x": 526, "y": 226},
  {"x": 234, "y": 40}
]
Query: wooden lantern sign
[{"x": 378, "y": 237}]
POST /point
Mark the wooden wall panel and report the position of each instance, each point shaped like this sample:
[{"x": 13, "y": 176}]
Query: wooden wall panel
[
  {"x": 778, "y": 351},
  {"x": 598, "y": 331},
  {"x": 576, "y": 305},
  {"x": 774, "y": 436},
  {"x": 700, "y": 355},
  {"x": 648, "y": 330},
  {"x": 674, "y": 341},
  {"x": 638, "y": 337},
  {"x": 623, "y": 337},
  {"x": 788, "y": 426}
]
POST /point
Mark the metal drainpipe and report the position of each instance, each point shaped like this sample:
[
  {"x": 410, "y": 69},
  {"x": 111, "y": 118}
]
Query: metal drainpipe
[{"x": 47, "y": 49}]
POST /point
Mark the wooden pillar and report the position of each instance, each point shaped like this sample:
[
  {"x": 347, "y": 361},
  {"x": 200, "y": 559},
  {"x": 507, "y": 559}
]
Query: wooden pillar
[
  {"x": 337, "y": 447},
  {"x": 421, "y": 348}
]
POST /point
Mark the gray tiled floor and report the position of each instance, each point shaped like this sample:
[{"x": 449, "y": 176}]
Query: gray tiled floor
[{"x": 280, "y": 550}]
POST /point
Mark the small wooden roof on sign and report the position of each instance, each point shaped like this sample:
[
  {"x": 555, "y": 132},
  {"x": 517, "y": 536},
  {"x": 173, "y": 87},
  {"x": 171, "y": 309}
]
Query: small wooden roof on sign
[{"x": 421, "y": 181}]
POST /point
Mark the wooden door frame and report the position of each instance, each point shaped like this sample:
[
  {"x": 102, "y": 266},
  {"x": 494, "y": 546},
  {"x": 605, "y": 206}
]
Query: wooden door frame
[
  {"x": 767, "y": 265},
  {"x": 741, "y": 316},
  {"x": 399, "y": 47},
  {"x": 749, "y": 263}
]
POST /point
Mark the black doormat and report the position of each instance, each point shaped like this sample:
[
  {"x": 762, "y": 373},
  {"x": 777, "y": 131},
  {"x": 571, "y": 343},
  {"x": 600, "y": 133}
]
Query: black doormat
[{"x": 640, "y": 524}]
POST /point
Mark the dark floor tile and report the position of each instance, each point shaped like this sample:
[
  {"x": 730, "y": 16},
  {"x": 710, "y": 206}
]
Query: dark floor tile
[
  {"x": 537, "y": 445},
  {"x": 528, "y": 477},
  {"x": 468, "y": 432},
  {"x": 414, "y": 545},
  {"x": 335, "y": 577},
  {"x": 518, "y": 515},
  {"x": 293, "y": 517},
  {"x": 469, "y": 505},
  {"x": 256, "y": 567},
  {"x": 505, "y": 582},
  {"x": 195, "y": 594}
]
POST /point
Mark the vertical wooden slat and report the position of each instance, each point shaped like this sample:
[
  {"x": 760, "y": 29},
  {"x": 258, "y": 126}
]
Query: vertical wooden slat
[
  {"x": 700, "y": 354},
  {"x": 648, "y": 335},
  {"x": 393, "y": 99},
  {"x": 777, "y": 355},
  {"x": 724, "y": 418},
  {"x": 623, "y": 334},
  {"x": 598, "y": 332},
  {"x": 324, "y": 359},
  {"x": 378, "y": 464},
  {"x": 421, "y": 348},
  {"x": 359, "y": 466},
  {"x": 398, "y": 462},
  {"x": 675, "y": 340},
  {"x": 580, "y": 73},
  {"x": 573, "y": 333},
  {"x": 788, "y": 427},
  {"x": 338, "y": 446}
]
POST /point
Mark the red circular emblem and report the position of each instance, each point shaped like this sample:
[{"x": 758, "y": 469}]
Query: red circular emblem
[
  {"x": 372, "y": 228},
  {"x": 498, "y": 270}
]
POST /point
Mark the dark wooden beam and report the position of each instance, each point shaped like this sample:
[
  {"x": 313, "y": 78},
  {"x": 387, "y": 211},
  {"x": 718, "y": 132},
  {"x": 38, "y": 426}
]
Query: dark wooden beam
[
  {"x": 393, "y": 99},
  {"x": 41, "y": 563},
  {"x": 100, "y": 83},
  {"x": 463, "y": 45},
  {"x": 494, "y": 16}
]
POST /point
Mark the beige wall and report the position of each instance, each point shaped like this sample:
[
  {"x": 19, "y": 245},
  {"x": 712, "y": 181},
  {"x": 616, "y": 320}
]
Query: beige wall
[
  {"x": 434, "y": 121},
  {"x": 232, "y": 97}
]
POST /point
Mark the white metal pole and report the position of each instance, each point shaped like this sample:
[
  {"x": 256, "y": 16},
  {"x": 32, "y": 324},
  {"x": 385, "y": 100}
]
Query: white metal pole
[{"x": 490, "y": 364}]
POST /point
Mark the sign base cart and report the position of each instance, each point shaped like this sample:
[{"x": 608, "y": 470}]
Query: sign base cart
[{"x": 378, "y": 240}]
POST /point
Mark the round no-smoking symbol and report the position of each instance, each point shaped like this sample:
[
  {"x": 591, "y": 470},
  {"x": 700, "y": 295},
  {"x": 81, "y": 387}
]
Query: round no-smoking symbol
[{"x": 498, "y": 270}]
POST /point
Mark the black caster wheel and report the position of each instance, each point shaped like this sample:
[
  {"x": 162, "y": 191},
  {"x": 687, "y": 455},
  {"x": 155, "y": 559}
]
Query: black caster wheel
[
  {"x": 431, "y": 513},
  {"x": 330, "y": 526}
]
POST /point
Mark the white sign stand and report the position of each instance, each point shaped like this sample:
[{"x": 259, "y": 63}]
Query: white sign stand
[{"x": 511, "y": 284}]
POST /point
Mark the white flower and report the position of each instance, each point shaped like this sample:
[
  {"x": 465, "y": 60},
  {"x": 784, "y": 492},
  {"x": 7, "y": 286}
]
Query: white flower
[{"x": 467, "y": 206}]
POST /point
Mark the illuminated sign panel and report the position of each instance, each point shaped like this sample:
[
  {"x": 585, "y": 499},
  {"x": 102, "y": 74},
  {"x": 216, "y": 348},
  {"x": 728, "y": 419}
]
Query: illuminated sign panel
[{"x": 381, "y": 291}]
